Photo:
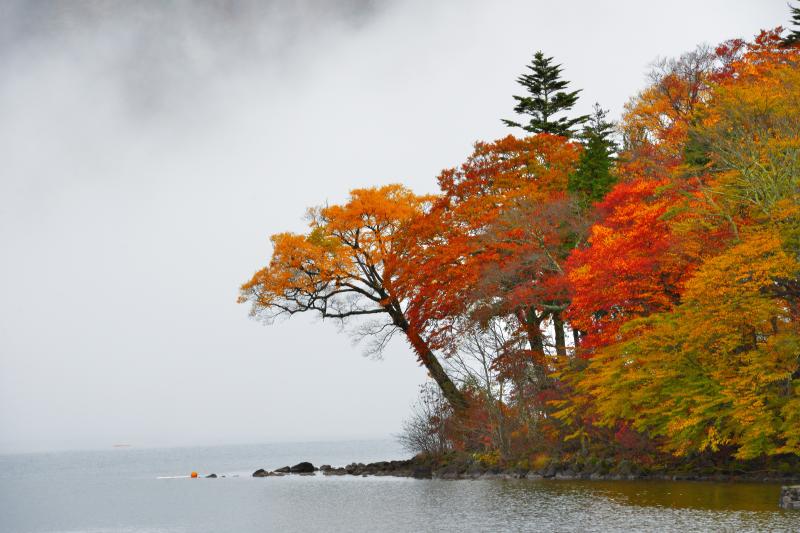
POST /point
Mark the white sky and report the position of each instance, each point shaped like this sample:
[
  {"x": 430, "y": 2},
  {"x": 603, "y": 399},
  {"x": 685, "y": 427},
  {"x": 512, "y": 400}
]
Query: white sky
[{"x": 146, "y": 154}]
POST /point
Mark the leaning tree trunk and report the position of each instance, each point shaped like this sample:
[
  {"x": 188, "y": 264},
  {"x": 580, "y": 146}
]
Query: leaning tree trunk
[{"x": 454, "y": 397}]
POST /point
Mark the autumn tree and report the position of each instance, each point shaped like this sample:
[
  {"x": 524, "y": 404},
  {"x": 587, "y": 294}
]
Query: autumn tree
[
  {"x": 689, "y": 287},
  {"x": 750, "y": 130},
  {"x": 547, "y": 97},
  {"x": 633, "y": 265},
  {"x": 720, "y": 370},
  {"x": 530, "y": 243},
  {"x": 494, "y": 244},
  {"x": 346, "y": 267},
  {"x": 655, "y": 123}
]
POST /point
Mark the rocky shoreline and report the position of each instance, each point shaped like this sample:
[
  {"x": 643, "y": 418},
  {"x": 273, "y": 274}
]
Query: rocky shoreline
[
  {"x": 460, "y": 468},
  {"x": 424, "y": 468}
]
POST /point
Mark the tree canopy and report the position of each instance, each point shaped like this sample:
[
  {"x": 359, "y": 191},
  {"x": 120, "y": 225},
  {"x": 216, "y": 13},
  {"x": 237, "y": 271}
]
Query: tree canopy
[{"x": 574, "y": 296}]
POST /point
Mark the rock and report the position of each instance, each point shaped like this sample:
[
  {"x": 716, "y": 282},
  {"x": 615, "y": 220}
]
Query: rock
[
  {"x": 566, "y": 474},
  {"x": 325, "y": 468},
  {"x": 790, "y": 497},
  {"x": 302, "y": 468},
  {"x": 334, "y": 472},
  {"x": 283, "y": 470},
  {"x": 260, "y": 473},
  {"x": 624, "y": 468},
  {"x": 450, "y": 471},
  {"x": 422, "y": 472},
  {"x": 475, "y": 470},
  {"x": 211, "y": 476}
]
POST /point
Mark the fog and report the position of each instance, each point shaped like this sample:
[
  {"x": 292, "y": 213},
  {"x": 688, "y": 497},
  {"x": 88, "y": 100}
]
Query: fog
[{"x": 148, "y": 149}]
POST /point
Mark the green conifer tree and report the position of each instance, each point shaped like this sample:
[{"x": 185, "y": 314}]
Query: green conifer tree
[
  {"x": 546, "y": 98},
  {"x": 594, "y": 176},
  {"x": 794, "y": 35}
]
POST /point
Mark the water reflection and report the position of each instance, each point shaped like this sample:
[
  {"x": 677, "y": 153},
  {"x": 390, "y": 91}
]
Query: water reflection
[{"x": 668, "y": 494}]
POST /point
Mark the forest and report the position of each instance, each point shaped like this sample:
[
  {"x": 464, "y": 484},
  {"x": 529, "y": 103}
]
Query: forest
[{"x": 589, "y": 290}]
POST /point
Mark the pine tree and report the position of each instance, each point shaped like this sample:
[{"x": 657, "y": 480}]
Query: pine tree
[
  {"x": 594, "y": 176},
  {"x": 794, "y": 35},
  {"x": 547, "y": 98}
]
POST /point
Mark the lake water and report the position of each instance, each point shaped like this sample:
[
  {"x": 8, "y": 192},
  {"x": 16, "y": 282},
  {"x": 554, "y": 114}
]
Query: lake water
[{"x": 120, "y": 490}]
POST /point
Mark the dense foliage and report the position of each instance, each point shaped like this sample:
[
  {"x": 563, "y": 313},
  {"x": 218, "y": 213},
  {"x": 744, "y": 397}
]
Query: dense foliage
[{"x": 572, "y": 296}]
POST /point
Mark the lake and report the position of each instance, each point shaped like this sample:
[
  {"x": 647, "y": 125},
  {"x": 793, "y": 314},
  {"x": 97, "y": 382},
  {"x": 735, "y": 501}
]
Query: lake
[{"x": 124, "y": 490}]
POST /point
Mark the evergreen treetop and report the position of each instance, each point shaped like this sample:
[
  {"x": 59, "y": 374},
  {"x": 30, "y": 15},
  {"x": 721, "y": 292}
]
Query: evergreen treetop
[
  {"x": 794, "y": 35},
  {"x": 595, "y": 176},
  {"x": 547, "y": 97}
]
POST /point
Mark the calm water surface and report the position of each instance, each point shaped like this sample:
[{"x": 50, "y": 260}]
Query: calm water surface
[{"x": 120, "y": 490}]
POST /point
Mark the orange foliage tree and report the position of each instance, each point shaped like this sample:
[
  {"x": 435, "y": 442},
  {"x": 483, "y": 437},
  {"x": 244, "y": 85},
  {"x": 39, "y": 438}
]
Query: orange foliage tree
[
  {"x": 347, "y": 266},
  {"x": 494, "y": 243}
]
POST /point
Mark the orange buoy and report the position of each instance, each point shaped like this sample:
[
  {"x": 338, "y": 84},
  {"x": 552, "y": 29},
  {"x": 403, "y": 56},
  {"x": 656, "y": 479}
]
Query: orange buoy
[{"x": 194, "y": 474}]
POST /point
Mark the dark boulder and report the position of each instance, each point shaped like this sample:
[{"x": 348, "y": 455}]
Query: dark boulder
[
  {"x": 567, "y": 474},
  {"x": 790, "y": 498},
  {"x": 283, "y": 470},
  {"x": 302, "y": 468},
  {"x": 211, "y": 476},
  {"x": 260, "y": 473},
  {"x": 325, "y": 468},
  {"x": 422, "y": 472},
  {"x": 475, "y": 470}
]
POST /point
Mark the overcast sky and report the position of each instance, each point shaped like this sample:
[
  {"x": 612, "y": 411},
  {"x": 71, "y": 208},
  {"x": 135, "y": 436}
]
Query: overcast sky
[{"x": 147, "y": 153}]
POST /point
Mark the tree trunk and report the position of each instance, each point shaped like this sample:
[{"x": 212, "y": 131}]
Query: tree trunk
[
  {"x": 426, "y": 356},
  {"x": 561, "y": 344},
  {"x": 533, "y": 323},
  {"x": 533, "y": 328}
]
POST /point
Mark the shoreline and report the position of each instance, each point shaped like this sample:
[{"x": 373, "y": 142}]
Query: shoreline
[{"x": 426, "y": 468}]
